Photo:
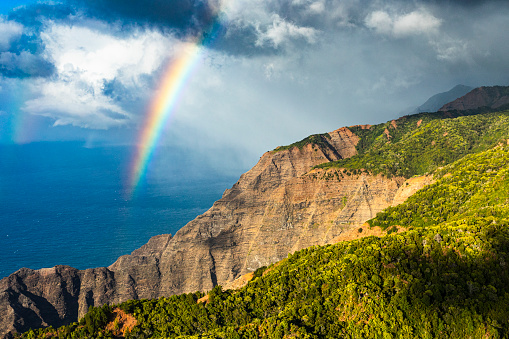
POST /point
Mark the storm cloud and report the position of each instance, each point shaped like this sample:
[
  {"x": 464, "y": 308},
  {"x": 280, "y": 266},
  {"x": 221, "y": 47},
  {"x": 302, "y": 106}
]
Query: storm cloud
[
  {"x": 275, "y": 71},
  {"x": 181, "y": 15}
]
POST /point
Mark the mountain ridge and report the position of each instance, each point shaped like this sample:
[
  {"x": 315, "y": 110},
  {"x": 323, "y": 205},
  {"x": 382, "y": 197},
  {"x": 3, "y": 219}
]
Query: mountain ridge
[
  {"x": 493, "y": 97},
  {"x": 437, "y": 101},
  {"x": 445, "y": 279},
  {"x": 286, "y": 202}
]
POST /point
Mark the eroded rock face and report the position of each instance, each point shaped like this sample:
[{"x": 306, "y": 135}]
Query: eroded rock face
[
  {"x": 280, "y": 206},
  {"x": 51, "y": 296},
  {"x": 491, "y": 97}
]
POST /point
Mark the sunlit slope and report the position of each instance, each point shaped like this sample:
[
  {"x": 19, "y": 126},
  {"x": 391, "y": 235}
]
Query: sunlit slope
[
  {"x": 445, "y": 277},
  {"x": 473, "y": 189},
  {"x": 418, "y": 144}
]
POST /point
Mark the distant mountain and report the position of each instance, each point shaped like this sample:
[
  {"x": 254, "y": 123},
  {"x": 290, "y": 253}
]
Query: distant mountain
[
  {"x": 496, "y": 97},
  {"x": 434, "y": 103}
]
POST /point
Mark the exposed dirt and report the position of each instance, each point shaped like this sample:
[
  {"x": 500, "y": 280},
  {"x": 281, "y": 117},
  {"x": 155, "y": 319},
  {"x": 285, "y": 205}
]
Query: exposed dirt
[
  {"x": 386, "y": 131},
  {"x": 362, "y": 232},
  {"x": 204, "y": 299},
  {"x": 410, "y": 186},
  {"x": 362, "y": 126},
  {"x": 239, "y": 282},
  {"x": 121, "y": 323}
]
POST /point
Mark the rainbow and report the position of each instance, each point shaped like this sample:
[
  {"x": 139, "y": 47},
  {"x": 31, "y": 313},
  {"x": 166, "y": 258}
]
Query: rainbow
[{"x": 163, "y": 104}]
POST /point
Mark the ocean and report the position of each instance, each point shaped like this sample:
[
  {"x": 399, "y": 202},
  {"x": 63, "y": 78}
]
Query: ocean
[{"x": 65, "y": 204}]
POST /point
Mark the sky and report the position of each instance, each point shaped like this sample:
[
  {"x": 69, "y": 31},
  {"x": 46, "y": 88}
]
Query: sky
[{"x": 270, "y": 73}]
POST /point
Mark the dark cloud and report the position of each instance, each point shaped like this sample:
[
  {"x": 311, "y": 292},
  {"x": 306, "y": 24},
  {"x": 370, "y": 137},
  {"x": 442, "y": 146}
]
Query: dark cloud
[
  {"x": 117, "y": 90},
  {"x": 24, "y": 57},
  {"x": 24, "y": 65},
  {"x": 181, "y": 15}
]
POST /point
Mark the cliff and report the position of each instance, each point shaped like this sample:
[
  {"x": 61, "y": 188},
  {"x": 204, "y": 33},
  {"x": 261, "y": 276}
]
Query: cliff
[
  {"x": 285, "y": 203},
  {"x": 278, "y": 207},
  {"x": 438, "y": 100},
  {"x": 313, "y": 192},
  {"x": 443, "y": 275},
  {"x": 496, "y": 97}
]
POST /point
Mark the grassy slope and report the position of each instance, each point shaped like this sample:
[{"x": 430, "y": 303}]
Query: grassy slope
[
  {"x": 419, "y": 143},
  {"x": 475, "y": 186},
  {"x": 321, "y": 140},
  {"x": 415, "y": 150}
]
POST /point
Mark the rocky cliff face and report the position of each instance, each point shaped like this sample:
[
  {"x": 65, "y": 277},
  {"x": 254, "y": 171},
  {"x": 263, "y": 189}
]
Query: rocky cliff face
[
  {"x": 438, "y": 100},
  {"x": 281, "y": 205},
  {"x": 496, "y": 97}
]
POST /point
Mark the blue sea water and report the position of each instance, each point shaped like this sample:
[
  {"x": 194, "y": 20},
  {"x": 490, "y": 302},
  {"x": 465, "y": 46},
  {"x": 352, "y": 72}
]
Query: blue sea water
[{"x": 64, "y": 204}]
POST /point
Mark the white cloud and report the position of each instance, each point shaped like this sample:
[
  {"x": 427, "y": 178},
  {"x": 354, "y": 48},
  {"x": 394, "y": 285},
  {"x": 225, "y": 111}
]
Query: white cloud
[
  {"x": 96, "y": 56},
  {"x": 86, "y": 60},
  {"x": 317, "y": 7},
  {"x": 281, "y": 32},
  {"x": 341, "y": 72},
  {"x": 75, "y": 103},
  {"x": 414, "y": 23},
  {"x": 9, "y": 31},
  {"x": 417, "y": 22},
  {"x": 381, "y": 22},
  {"x": 451, "y": 50}
]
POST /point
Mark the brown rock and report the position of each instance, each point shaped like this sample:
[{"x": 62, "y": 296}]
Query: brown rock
[
  {"x": 280, "y": 206},
  {"x": 490, "y": 97}
]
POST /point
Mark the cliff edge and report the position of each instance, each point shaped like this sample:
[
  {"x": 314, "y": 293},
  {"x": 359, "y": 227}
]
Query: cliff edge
[{"x": 280, "y": 206}]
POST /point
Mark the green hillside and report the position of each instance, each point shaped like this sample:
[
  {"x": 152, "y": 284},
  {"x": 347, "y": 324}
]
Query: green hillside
[
  {"x": 446, "y": 276},
  {"x": 471, "y": 188},
  {"x": 418, "y": 144}
]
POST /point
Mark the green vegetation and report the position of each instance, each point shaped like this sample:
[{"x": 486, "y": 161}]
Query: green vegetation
[
  {"x": 473, "y": 187},
  {"x": 320, "y": 140},
  {"x": 446, "y": 276},
  {"x": 447, "y": 282},
  {"x": 417, "y": 144},
  {"x": 409, "y": 149},
  {"x": 91, "y": 326}
]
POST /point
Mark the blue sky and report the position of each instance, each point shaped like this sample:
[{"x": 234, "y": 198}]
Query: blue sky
[
  {"x": 277, "y": 71},
  {"x": 7, "y": 5}
]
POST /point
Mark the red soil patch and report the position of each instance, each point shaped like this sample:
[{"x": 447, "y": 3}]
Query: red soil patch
[
  {"x": 386, "y": 131},
  {"x": 204, "y": 299},
  {"x": 239, "y": 282},
  {"x": 367, "y": 231},
  {"x": 362, "y": 126},
  {"x": 365, "y": 126},
  {"x": 121, "y": 323}
]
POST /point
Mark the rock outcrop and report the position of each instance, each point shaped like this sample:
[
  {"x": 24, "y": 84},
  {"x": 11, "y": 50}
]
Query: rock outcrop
[
  {"x": 496, "y": 97},
  {"x": 280, "y": 206},
  {"x": 438, "y": 100}
]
